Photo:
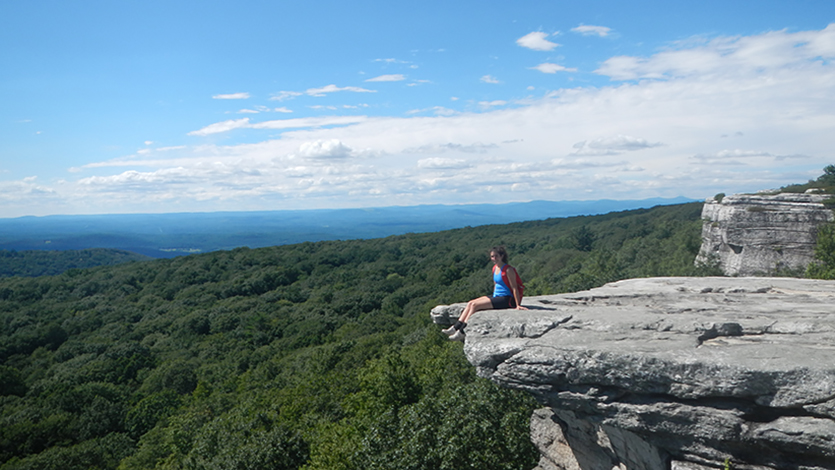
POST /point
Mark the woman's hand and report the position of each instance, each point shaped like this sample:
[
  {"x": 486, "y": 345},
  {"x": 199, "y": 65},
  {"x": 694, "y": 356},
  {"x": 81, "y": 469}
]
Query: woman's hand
[{"x": 521, "y": 308}]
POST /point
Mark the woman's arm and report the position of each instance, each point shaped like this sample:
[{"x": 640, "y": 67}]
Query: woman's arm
[{"x": 514, "y": 289}]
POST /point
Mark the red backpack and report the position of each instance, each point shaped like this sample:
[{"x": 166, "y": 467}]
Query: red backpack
[{"x": 519, "y": 285}]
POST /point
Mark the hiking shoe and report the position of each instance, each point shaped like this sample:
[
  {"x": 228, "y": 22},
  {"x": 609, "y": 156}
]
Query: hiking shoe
[
  {"x": 449, "y": 331},
  {"x": 458, "y": 336}
]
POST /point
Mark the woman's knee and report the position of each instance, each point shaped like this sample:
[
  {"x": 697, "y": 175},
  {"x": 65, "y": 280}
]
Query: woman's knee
[{"x": 482, "y": 303}]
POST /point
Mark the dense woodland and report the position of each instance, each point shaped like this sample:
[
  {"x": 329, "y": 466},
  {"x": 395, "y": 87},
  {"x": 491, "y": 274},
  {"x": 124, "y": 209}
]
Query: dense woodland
[
  {"x": 32, "y": 263},
  {"x": 307, "y": 356}
]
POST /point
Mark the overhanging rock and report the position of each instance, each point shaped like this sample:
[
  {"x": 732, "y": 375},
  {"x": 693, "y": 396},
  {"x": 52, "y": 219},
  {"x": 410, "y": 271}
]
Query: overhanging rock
[{"x": 664, "y": 373}]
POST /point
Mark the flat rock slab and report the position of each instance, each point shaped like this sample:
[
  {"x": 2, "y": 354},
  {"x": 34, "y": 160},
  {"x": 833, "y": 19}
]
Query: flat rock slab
[{"x": 701, "y": 368}]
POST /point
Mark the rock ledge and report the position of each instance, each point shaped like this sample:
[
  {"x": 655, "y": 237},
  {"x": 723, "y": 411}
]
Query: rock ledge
[{"x": 671, "y": 373}]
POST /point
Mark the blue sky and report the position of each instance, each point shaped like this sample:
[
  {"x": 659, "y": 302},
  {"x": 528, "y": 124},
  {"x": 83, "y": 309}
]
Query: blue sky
[{"x": 127, "y": 107}]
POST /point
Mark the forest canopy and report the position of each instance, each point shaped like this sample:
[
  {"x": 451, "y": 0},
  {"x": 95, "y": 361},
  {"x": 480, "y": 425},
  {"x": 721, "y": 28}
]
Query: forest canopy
[
  {"x": 33, "y": 263},
  {"x": 306, "y": 356}
]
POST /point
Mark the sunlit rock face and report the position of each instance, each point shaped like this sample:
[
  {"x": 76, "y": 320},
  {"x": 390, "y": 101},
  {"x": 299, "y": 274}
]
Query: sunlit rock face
[
  {"x": 762, "y": 234},
  {"x": 670, "y": 373}
]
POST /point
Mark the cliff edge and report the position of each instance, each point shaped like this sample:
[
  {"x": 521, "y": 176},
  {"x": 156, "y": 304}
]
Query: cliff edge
[{"x": 670, "y": 373}]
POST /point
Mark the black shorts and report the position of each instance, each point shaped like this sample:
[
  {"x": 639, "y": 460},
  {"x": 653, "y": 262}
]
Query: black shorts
[{"x": 502, "y": 302}]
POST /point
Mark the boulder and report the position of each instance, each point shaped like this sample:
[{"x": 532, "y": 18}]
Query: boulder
[
  {"x": 762, "y": 234},
  {"x": 670, "y": 373}
]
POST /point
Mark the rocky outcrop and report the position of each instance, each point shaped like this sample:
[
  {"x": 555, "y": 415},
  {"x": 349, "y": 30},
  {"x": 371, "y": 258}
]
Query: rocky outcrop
[
  {"x": 670, "y": 373},
  {"x": 762, "y": 234}
]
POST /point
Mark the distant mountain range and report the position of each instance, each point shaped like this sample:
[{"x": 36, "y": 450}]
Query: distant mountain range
[{"x": 170, "y": 235}]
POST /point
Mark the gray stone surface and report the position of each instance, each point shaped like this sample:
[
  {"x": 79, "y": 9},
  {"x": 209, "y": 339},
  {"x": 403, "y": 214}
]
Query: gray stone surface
[
  {"x": 762, "y": 234},
  {"x": 569, "y": 443},
  {"x": 692, "y": 371}
]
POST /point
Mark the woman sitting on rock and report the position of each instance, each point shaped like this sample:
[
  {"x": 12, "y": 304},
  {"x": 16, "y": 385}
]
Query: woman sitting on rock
[{"x": 506, "y": 294}]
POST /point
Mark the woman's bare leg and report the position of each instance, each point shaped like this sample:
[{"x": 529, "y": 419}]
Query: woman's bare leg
[
  {"x": 475, "y": 305},
  {"x": 481, "y": 303}
]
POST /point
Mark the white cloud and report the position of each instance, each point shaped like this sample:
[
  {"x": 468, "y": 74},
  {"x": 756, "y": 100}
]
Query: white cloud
[
  {"x": 723, "y": 56},
  {"x": 219, "y": 127},
  {"x": 588, "y": 30},
  {"x": 232, "y": 96},
  {"x": 226, "y": 126},
  {"x": 442, "y": 164},
  {"x": 170, "y": 148},
  {"x": 442, "y": 148},
  {"x": 309, "y": 122},
  {"x": 773, "y": 92},
  {"x": 333, "y": 89},
  {"x": 285, "y": 95},
  {"x": 738, "y": 157},
  {"x": 490, "y": 79},
  {"x": 536, "y": 41},
  {"x": 325, "y": 149},
  {"x": 257, "y": 109},
  {"x": 388, "y": 78},
  {"x": 26, "y": 193},
  {"x": 736, "y": 153},
  {"x": 283, "y": 110},
  {"x": 547, "y": 67},
  {"x": 391, "y": 61},
  {"x": 578, "y": 164},
  {"x": 613, "y": 145},
  {"x": 135, "y": 178},
  {"x": 488, "y": 104},
  {"x": 437, "y": 110},
  {"x": 141, "y": 158}
]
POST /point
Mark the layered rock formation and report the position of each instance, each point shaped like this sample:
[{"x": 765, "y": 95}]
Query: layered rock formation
[
  {"x": 762, "y": 234},
  {"x": 670, "y": 373}
]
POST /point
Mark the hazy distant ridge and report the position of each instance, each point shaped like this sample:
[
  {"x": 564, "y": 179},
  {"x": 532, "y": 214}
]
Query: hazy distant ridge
[{"x": 167, "y": 235}]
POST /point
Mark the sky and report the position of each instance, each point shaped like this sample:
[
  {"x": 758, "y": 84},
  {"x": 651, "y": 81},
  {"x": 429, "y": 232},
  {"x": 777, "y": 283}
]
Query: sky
[{"x": 199, "y": 106}]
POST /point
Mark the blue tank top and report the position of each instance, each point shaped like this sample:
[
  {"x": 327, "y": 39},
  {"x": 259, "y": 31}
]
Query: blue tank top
[{"x": 500, "y": 289}]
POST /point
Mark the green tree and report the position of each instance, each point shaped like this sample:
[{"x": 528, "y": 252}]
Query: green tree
[
  {"x": 145, "y": 414},
  {"x": 246, "y": 443},
  {"x": 583, "y": 238},
  {"x": 828, "y": 176},
  {"x": 11, "y": 382},
  {"x": 824, "y": 253},
  {"x": 461, "y": 430}
]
